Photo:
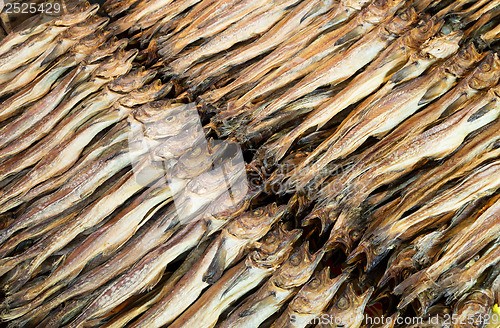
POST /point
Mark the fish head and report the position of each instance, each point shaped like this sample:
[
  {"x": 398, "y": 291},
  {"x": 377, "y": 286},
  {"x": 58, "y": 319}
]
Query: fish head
[
  {"x": 487, "y": 73},
  {"x": 372, "y": 250},
  {"x": 299, "y": 267},
  {"x": 80, "y": 30},
  {"x": 153, "y": 111},
  {"x": 348, "y": 307},
  {"x": 77, "y": 14},
  {"x": 347, "y": 231},
  {"x": 275, "y": 247},
  {"x": 119, "y": 64},
  {"x": 466, "y": 58},
  {"x": 424, "y": 31},
  {"x": 149, "y": 92},
  {"x": 472, "y": 309},
  {"x": 134, "y": 80},
  {"x": 317, "y": 293},
  {"x": 232, "y": 204},
  {"x": 400, "y": 266},
  {"x": 355, "y": 4},
  {"x": 112, "y": 45},
  {"x": 253, "y": 224},
  {"x": 198, "y": 158},
  {"x": 90, "y": 43},
  {"x": 442, "y": 46},
  {"x": 402, "y": 22}
]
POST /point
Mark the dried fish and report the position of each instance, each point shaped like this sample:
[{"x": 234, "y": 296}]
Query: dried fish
[
  {"x": 347, "y": 309},
  {"x": 280, "y": 287},
  {"x": 386, "y": 112},
  {"x": 367, "y": 81},
  {"x": 311, "y": 300},
  {"x": 299, "y": 17},
  {"x": 271, "y": 252},
  {"x": 233, "y": 241},
  {"x": 307, "y": 59}
]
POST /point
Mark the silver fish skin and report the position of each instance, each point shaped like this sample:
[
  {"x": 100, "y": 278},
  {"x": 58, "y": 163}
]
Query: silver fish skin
[
  {"x": 106, "y": 239},
  {"x": 29, "y": 49},
  {"x": 462, "y": 247},
  {"x": 380, "y": 116},
  {"x": 36, "y": 112},
  {"x": 276, "y": 291},
  {"x": 245, "y": 29},
  {"x": 368, "y": 81},
  {"x": 123, "y": 189},
  {"x": 90, "y": 108},
  {"x": 299, "y": 17},
  {"x": 142, "y": 9},
  {"x": 308, "y": 58},
  {"x": 193, "y": 257},
  {"x": 156, "y": 236},
  {"x": 212, "y": 26},
  {"x": 235, "y": 239},
  {"x": 64, "y": 42},
  {"x": 143, "y": 275},
  {"x": 47, "y": 123},
  {"x": 35, "y": 90},
  {"x": 76, "y": 189},
  {"x": 337, "y": 69},
  {"x": 137, "y": 248},
  {"x": 258, "y": 265},
  {"x": 288, "y": 48}
]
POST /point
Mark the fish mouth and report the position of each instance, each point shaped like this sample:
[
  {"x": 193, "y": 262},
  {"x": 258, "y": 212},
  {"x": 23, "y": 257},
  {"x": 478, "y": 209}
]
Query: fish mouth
[
  {"x": 339, "y": 239},
  {"x": 129, "y": 55},
  {"x": 316, "y": 215}
]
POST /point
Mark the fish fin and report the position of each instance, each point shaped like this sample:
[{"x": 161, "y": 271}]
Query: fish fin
[
  {"x": 241, "y": 276},
  {"x": 436, "y": 90},
  {"x": 313, "y": 12},
  {"x": 216, "y": 267},
  {"x": 349, "y": 36},
  {"x": 152, "y": 283},
  {"x": 267, "y": 301},
  {"x": 482, "y": 111}
]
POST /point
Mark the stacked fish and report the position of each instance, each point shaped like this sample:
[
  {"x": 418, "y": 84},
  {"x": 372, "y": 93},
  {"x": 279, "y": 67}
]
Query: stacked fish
[{"x": 296, "y": 163}]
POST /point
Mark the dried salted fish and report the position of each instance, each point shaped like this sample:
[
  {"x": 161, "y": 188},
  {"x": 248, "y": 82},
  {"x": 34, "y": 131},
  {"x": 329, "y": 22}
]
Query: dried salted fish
[
  {"x": 462, "y": 247},
  {"x": 307, "y": 59},
  {"x": 280, "y": 287},
  {"x": 347, "y": 308},
  {"x": 233, "y": 241},
  {"x": 311, "y": 300},
  {"x": 337, "y": 69},
  {"x": 367, "y": 81},
  {"x": 271, "y": 252},
  {"x": 386, "y": 112},
  {"x": 299, "y": 17}
]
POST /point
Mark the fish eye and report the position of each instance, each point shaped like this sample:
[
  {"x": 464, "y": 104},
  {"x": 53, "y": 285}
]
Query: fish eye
[
  {"x": 258, "y": 212},
  {"x": 355, "y": 234},
  {"x": 294, "y": 260},
  {"x": 378, "y": 250},
  {"x": 342, "y": 303},
  {"x": 270, "y": 239},
  {"x": 315, "y": 283},
  {"x": 423, "y": 28},
  {"x": 485, "y": 67}
]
